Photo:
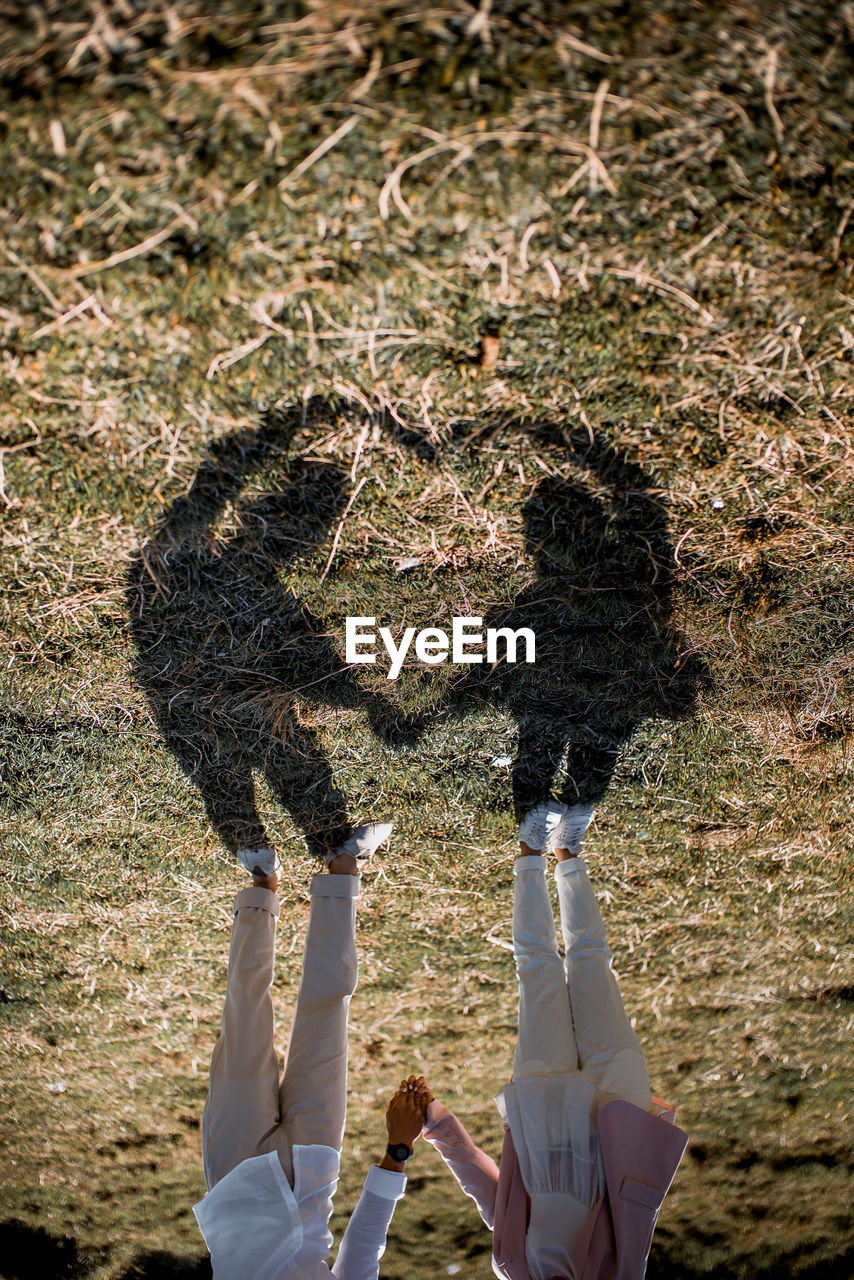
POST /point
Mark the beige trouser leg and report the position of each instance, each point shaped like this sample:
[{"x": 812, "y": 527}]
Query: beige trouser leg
[
  {"x": 248, "y": 1111},
  {"x": 609, "y": 1052},
  {"x": 313, "y": 1093},
  {"x": 242, "y": 1109}
]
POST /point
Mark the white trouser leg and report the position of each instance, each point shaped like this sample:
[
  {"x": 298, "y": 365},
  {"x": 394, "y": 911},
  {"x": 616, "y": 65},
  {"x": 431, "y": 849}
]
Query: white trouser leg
[
  {"x": 609, "y": 1052},
  {"x": 546, "y": 1045}
]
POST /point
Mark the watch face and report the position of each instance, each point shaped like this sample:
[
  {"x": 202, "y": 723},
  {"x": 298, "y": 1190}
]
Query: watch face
[{"x": 400, "y": 1152}]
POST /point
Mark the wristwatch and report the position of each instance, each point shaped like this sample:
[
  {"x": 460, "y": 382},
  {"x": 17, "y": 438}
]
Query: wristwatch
[{"x": 399, "y": 1151}]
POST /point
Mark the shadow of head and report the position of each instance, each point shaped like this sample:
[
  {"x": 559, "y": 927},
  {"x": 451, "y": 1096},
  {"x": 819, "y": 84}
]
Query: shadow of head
[
  {"x": 297, "y": 518},
  {"x": 307, "y": 489},
  {"x": 571, "y": 529}
]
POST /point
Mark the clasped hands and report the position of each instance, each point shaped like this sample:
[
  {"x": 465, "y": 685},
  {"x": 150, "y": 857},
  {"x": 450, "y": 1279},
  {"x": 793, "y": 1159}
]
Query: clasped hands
[{"x": 406, "y": 1115}]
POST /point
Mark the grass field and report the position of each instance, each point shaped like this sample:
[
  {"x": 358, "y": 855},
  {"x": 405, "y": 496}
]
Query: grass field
[{"x": 318, "y": 309}]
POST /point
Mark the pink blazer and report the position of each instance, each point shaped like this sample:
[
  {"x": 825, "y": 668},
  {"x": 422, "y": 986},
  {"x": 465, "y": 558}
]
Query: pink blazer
[{"x": 640, "y": 1154}]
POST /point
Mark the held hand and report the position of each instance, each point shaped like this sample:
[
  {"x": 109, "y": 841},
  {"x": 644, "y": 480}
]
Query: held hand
[
  {"x": 420, "y": 1086},
  {"x": 407, "y": 1111},
  {"x": 438, "y": 1110}
]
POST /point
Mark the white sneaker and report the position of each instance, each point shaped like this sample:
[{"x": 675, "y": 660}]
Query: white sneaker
[
  {"x": 260, "y": 862},
  {"x": 534, "y": 828},
  {"x": 364, "y": 841},
  {"x": 566, "y": 827}
]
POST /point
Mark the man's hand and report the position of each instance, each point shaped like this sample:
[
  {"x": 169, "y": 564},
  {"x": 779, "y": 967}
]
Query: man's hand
[
  {"x": 407, "y": 1110},
  {"x": 405, "y": 1117}
]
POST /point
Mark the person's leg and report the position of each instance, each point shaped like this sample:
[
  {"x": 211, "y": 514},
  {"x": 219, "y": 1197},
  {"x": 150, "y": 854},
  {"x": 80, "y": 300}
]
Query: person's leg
[
  {"x": 313, "y": 1093},
  {"x": 242, "y": 1109},
  {"x": 546, "y": 1045},
  {"x": 609, "y": 1052}
]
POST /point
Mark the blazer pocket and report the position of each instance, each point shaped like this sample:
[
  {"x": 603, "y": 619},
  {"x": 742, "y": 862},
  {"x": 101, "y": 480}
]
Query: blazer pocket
[{"x": 641, "y": 1193}]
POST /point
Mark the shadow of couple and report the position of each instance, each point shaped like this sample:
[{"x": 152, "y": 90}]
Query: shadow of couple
[{"x": 226, "y": 654}]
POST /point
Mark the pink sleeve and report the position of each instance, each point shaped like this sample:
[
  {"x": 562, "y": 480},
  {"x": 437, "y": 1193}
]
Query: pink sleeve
[{"x": 474, "y": 1170}]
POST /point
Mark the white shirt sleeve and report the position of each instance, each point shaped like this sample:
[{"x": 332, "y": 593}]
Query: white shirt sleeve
[{"x": 364, "y": 1240}]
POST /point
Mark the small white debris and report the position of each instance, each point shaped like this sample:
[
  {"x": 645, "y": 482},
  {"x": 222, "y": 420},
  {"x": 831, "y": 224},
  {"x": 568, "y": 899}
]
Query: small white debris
[
  {"x": 406, "y": 562},
  {"x": 59, "y": 1087},
  {"x": 501, "y": 762},
  {"x": 57, "y": 138},
  {"x": 718, "y": 504},
  {"x": 453, "y": 1267}
]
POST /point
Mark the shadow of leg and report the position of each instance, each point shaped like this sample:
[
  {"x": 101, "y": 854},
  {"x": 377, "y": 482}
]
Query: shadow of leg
[
  {"x": 223, "y": 775},
  {"x": 301, "y": 776},
  {"x": 589, "y": 769},
  {"x": 537, "y": 759}
]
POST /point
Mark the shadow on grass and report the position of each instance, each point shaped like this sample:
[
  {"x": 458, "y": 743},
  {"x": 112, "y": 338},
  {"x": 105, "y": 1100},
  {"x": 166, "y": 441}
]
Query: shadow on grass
[
  {"x": 663, "y": 1265},
  {"x": 30, "y": 1253},
  {"x": 163, "y": 1266},
  {"x": 608, "y": 655},
  {"x": 225, "y": 651}
]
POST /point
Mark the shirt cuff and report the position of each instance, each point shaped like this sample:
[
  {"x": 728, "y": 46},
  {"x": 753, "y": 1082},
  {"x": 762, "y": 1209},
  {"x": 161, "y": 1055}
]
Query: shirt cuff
[
  {"x": 434, "y": 1116},
  {"x": 387, "y": 1183}
]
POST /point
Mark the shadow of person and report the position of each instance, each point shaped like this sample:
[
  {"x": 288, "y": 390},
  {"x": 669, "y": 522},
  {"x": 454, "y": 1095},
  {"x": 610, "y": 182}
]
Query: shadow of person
[
  {"x": 226, "y": 653},
  {"x": 29, "y": 1253},
  {"x": 607, "y": 653},
  {"x": 224, "y": 650}
]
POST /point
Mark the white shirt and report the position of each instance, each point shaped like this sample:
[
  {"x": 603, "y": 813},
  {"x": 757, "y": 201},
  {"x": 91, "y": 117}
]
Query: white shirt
[
  {"x": 256, "y": 1226},
  {"x": 556, "y": 1141}
]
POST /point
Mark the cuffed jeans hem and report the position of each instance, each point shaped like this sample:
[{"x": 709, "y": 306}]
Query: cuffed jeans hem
[
  {"x": 255, "y": 896},
  {"x": 568, "y": 866},
  {"x": 335, "y": 886},
  {"x": 530, "y": 862}
]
